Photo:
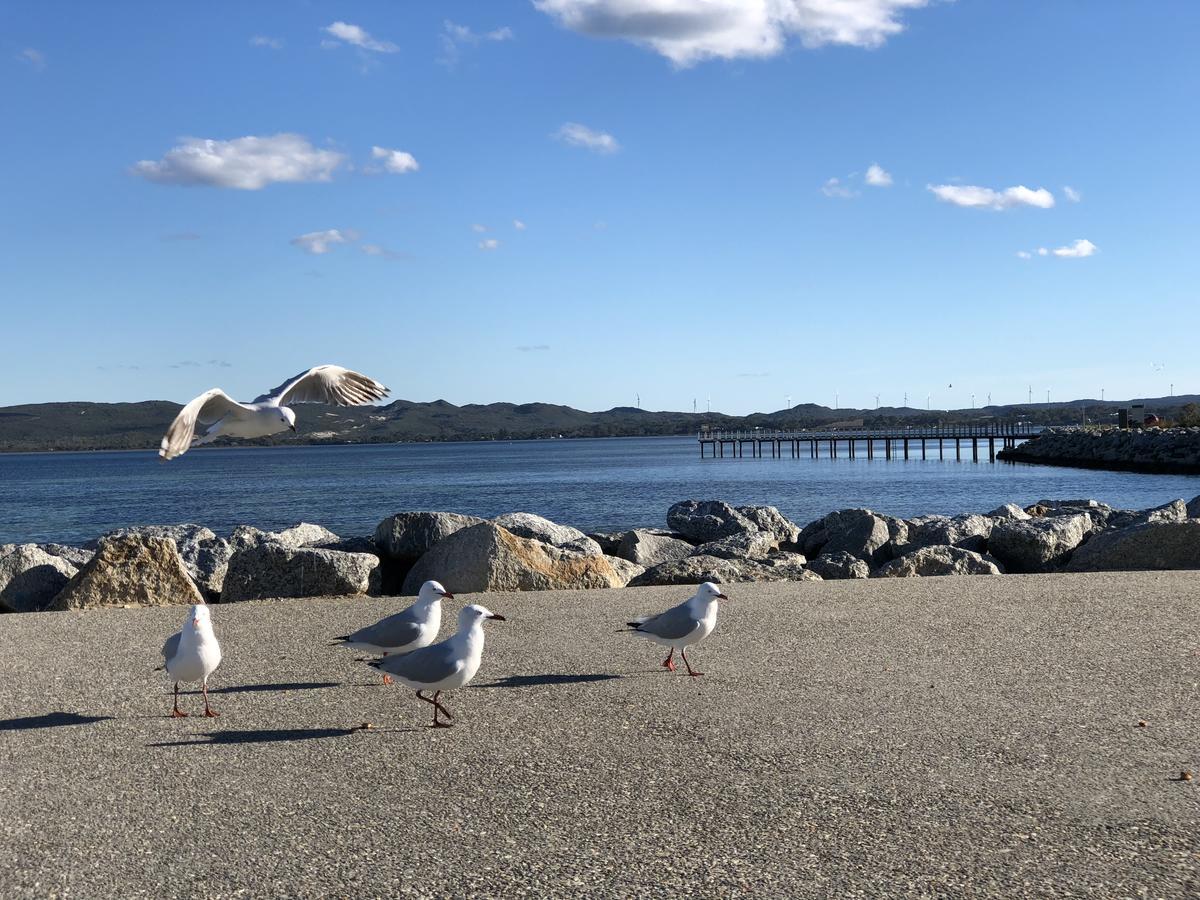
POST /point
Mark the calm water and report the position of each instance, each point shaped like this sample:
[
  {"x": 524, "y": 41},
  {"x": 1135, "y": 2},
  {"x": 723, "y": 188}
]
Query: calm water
[{"x": 593, "y": 484}]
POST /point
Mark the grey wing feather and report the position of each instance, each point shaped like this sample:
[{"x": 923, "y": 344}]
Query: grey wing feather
[
  {"x": 394, "y": 631},
  {"x": 427, "y": 666},
  {"x": 676, "y": 622},
  {"x": 326, "y": 384},
  {"x": 171, "y": 647}
]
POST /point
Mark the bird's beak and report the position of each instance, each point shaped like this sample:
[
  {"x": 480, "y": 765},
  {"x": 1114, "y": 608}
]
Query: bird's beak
[
  {"x": 196, "y": 621},
  {"x": 722, "y": 597},
  {"x": 293, "y": 427},
  {"x": 498, "y": 618},
  {"x": 447, "y": 595}
]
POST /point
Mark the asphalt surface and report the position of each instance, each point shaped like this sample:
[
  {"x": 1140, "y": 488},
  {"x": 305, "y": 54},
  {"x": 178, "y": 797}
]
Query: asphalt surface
[{"x": 926, "y": 737}]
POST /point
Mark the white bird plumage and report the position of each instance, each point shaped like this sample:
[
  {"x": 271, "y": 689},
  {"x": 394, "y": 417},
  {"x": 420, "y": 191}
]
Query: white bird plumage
[
  {"x": 406, "y": 631},
  {"x": 684, "y": 625},
  {"x": 192, "y": 654},
  {"x": 269, "y": 413}
]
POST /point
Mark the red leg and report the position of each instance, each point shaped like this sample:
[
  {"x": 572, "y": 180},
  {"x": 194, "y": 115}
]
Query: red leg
[
  {"x": 669, "y": 662},
  {"x": 691, "y": 672},
  {"x": 208, "y": 711},
  {"x": 436, "y": 707},
  {"x": 387, "y": 679},
  {"x": 177, "y": 713}
]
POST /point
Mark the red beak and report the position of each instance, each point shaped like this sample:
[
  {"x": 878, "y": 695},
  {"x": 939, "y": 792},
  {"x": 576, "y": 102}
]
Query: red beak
[
  {"x": 448, "y": 595},
  {"x": 497, "y": 618},
  {"x": 722, "y": 597}
]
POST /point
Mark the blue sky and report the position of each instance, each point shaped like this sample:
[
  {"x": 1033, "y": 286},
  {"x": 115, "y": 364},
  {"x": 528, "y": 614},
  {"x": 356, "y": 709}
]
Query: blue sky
[{"x": 170, "y": 169}]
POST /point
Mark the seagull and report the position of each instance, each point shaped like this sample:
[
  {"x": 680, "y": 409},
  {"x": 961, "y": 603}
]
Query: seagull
[
  {"x": 406, "y": 631},
  {"x": 681, "y": 626},
  {"x": 268, "y": 414},
  {"x": 446, "y": 666},
  {"x": 192, "y": 654}
]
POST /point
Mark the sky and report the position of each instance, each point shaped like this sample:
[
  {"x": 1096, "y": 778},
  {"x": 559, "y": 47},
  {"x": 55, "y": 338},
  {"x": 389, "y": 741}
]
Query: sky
[{"x": 731, "y": 204}]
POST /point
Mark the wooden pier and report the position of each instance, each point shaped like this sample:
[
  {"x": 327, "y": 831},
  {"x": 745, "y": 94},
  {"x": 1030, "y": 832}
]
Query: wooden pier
[{"x": 895, "y": 442}]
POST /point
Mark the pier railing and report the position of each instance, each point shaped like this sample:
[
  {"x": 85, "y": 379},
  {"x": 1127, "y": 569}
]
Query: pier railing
[{"x": 900, "y": 438}]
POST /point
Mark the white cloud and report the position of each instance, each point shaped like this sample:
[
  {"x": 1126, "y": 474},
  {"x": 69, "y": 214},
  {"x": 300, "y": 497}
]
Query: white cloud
[
  {"x": 518, "y": 224},
  {"x": 319, "y": 242},
  {"x": 489, "y": 244},
  {"x": 686, "y": 31},
  {"x": 245, "y": 163},
  {"x": 1024, "y": 254},
  {"x": 1042, "y": 251},
  {"x": 478, "y": 229},
  {"x": 382, "y": 252},
  {"x": 272, "y": 43},
  {"x": 877, "y": 177},
  {"x": 581, "y": 136},
  {"x": 395, "y": 161},
  {"x": 1071, "y": 194},
  {"x": 835, "y": 188},
  {"x": 358, "y": 37},
  {"x": 33, "y": 58},
  {"x": 985, "y": 198},
  {"x": 1077, "y": 250}
]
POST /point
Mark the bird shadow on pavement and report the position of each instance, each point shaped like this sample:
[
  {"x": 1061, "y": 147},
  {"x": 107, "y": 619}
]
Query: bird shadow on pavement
[
  {"x": 288, "y": 686},
  {"x": 259, "y": 736},
  {"x": 49, "y": 720},
  {"x": 536, "y": 680}
]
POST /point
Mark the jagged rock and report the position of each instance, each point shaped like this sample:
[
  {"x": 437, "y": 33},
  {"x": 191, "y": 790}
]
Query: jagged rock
[
  {"x": 30, "y": 577},
  {"x": 748, "y": 545},
  {"x": 204, "y": 555},
  {"x": 536, "y": 528},
  {"x": 486, "y": 557},
  {"x": 971, "y": 532},
  {"x": 273, "y": 569},
  {"x": 180, "y": 534},
  {"x": 897, "y": 533},
  {"x": 135, "y": 570},
  {"x": 839, "y": 565},
  {"x": 939, "y": 560},
  {"x": 360, "y": 544},
  {"x": 1099, "y": 512},
  {"x": 76, "y": 556},
  {"x": 1150, "y": 545},
  {"x": 1193, "y": 508},
  {"x": 701, "y": 521},
  {"x": 812, "y": 538},
  {"x": 858, "y": 532},
  {"x": 792, "y": 566},
  {"x": 1175, "y": 511},
  {"x": 609, "y": 541},
  {"x": 407, "y": 536},
  {"x": 1039, "y": 545},
  {"x": 305, "y": 534},
  {"x": 699, "y": 569},
  {"x": 626, "y": 570},
  {"x": 1009, "y": 511},
  {"x": 772, "y": 521},
  {"x": 649, "y": 548}
]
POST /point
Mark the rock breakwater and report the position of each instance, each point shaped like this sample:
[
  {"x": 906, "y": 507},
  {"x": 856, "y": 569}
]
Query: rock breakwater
[{"x": 1164, "y": 450}]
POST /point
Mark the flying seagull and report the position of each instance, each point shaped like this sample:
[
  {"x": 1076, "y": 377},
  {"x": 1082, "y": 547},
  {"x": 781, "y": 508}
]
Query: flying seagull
[
  {"x": 412, "y": 629},
  {"x": 445, "y": 666},
  {"x": 684, "y": 625},
  {"x": 192, "y": 654},
  {"x": 268, "y": 414}
]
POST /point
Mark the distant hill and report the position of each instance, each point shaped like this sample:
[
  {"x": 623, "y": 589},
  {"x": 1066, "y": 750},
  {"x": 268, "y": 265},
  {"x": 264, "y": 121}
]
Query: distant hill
[{"x": 128, "y": 426}]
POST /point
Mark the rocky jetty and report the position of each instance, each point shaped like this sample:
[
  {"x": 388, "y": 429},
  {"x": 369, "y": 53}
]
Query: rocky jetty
[
  {"x": 1168, "y": 450},
  {"x": 706, "y": 540}
]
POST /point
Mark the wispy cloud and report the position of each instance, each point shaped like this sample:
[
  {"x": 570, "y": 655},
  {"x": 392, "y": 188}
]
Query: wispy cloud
[
  {"x": 193, "y": 364},
  {"x": 878, "y": 177},
  {"x": 181, "y": 236},
  {"x": 1078, "y": 250},
  {"x": 969, "y": 195},
  {"x": 271, "y": 43},
  {"x": 518, "y": 224},
  {"x": 581, "y": 136},
  {"x": 357, "y": 36},
  {"x": 32, "y": 58},
  {"x": 455, "y": 37},
  {"x": 489, "y": 244},
  {"x": 1071, "y": 194},
  {"x": 687, "y": 33},
  {"x": 533, "y": 348},
  {"x": 377, "y": 250},
  {"x": 321, "y": 242},
  {"x": 395, "y": 161},
  {"x": 1024, "y": 254},
  {"x": 835, "y": 187},
  {"x": 245, "y": 163},
  {"x": 477, "y": 228}
]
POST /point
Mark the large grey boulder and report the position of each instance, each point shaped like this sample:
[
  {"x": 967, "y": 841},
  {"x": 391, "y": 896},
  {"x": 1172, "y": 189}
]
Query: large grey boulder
[
  {"x": 609, "y": 541},
  {"x": 30, "y": 577},
  {"x": 537, "y": 528},
  {"x": 204, "y": 554},
  {"x": 701, "y": 521},
  {"x": 650, "y": 548},
  {"x": 1151, "y": 545},
  {"x": 860, "y": 533},
  {"x": 1009, "y": 511},
  {"x": 486, "y": 557},
  {"x": 1193, "y": 508},
  {"x": 407, "y": 536},
  {"x": 273, "y": 569},
  {"x": 772, "y": 521},
  {"x": 939, "y": 560},
  {"x": 134, "y": 570},
  {"x": 626, "y": 571},
  {"x": 748, "y": 545},
  {"x": 1039, "y": 545},
  {"x": 76, "y": 556},
  {"x": 812, "y": 538},
  {"x": 305, "y": 534},
  {"x": 971, "y": 532},
  {"x": 1175, "y": 511},
  {"x": 839, "y": 565},
  {"x": 1097, "y": 511},
  {"x": 181, "y": 534},
  {"x": 699, "y": 569},
  {"x": 790, "y": 566}
]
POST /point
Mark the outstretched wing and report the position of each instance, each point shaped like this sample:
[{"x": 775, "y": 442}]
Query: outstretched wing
[
  {"x": 326, "y": 384},
  {"x": 677, "y": 622},
  {"x": 211, "y": 406}
]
